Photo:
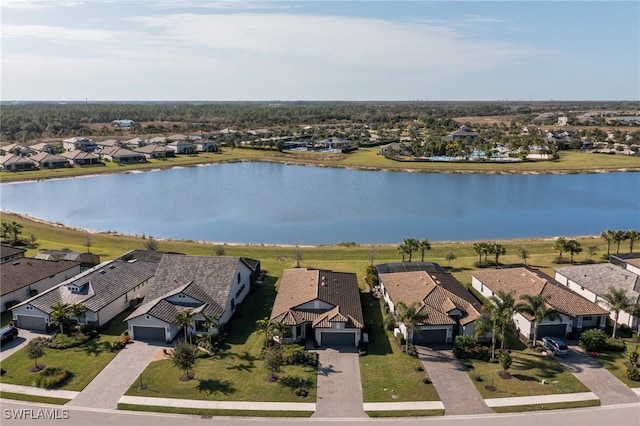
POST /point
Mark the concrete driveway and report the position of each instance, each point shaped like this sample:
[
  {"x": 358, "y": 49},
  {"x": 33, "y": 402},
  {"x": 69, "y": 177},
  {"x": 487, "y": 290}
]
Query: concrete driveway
[
  {"x": 112, "y": 382},
  {"x": 24, "y": 337},
  {"x": 605, "y": 385},
  {"x": 339, "y": 390},
  {"x": 457, "y": 393}
]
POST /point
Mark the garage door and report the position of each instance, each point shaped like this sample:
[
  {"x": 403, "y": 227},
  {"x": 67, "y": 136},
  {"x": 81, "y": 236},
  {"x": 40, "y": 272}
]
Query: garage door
[
  {"x": 32, "y": 323},
  {"x": 552, "y": 330},
  {"x": 148, "y": 333},
  {"x": 430, "y": 336},
  {"x": 338, "y": 339}
]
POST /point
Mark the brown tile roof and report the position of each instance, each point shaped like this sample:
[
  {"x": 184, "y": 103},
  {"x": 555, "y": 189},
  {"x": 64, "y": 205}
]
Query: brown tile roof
[
  {"x": 338, "y": 290},
  {"x": 21, "y": 272},
  {"x": 532, "y": 282},
  {"x": 7, "y": 251},
  {"x": 438, "y": 294}
]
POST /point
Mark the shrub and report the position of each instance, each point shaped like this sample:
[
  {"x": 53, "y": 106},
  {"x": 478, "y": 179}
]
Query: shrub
[
  {"x": 505, "y": 360},
  {"x": 410, "y": 349},
  {"x": 466, "y": 347},
  {"x": 426, "y": 381},
  {"x": 593, "y": 340},
  {"x": 389, "y": 323},
  {"x": 50, "y": 378},
  {"x": 632, "y": 373},
  {"x": 615, "y": 345},
  {"x": 301, "y": 393}
]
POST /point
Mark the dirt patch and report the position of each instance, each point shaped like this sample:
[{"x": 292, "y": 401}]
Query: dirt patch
[
  {"x": 162, "y": 354},
  {"x": 505, "y": 375},
  {"x": 188, "y": 377},
  {"x": 36, "y": 369}
]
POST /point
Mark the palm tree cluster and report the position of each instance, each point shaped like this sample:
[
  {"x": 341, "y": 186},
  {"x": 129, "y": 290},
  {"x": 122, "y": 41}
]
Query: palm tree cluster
[
  {"x": 483, "y": 249},
  {"x": 562, "y": 245},
  {"x": 411, "y": 317},
  {"x": 62, "y": 312},
  {"x": 411, "y": 245},
  {"x": 618, "y": 236},
  {"x": 270, "y": 329},
  {"x": 184, "y": 319},
  {"x": 13, "y": 229}
]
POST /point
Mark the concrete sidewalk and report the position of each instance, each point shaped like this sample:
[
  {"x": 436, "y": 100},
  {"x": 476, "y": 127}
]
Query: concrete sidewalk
[
  {"x": 218, "y": 405},
  {"x": 28, "y": 390}
]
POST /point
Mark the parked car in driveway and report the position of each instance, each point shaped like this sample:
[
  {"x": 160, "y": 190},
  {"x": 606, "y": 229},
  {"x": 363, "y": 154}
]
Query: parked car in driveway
[
  {"x": 556, "y": 346},
  {"x": 7, "y": 334}
]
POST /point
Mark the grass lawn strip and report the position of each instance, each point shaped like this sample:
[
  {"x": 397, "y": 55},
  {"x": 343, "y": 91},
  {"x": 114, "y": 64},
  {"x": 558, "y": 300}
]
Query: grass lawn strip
[
  {"x": 33, "y": 398},
  {"x": 550, "y": 406},
  {"x": 407, "y": 413},
  {"x": 213, "y": 413},
  {"x": 615, "y": 362},
  {"x": 528, "y": 371}
]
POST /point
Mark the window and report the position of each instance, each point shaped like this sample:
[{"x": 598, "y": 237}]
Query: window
[
  {"x": 587, "y": 318},
  {"x": 82, "y": 318},
  {"x": 233, "y": 304},
  {"x": 239, "y": 278},
  {"x": 126, "y": 297}
]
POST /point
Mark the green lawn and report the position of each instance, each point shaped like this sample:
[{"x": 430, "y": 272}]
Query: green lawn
[
  {"x": 615, "y": 362},
  {"x": 33, "y": 398},
  {"x": 527, "y": 372},
  {"x": 83, "y": 362},
  {"x": 211, "y": 413},
  {"x": 387, "y": 374},
  {"x": 237, "y": 372}
]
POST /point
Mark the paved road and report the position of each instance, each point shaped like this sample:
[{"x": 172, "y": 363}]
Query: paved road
[
  {"x": 456, "y": 391},
  {"x": 24, "y": 337},
  {"x": 605, "y": 385},
  {"x": 623, "y": 415},
  {"x": 339, "y": 387},
  {"x": 107, "y": 388}
]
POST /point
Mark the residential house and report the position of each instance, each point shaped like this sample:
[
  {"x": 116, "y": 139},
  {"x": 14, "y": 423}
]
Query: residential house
[
  {"x": 334, "y": 143},
  {"x": 393, "y": 149},
  {"x": 104, "y": 291},
  {"x": 182, "y": 147},
  {"x": 45, "y": 160},
  {"x": 594, "y": 281},
  {"x": 135, "y": 143},
  {"x": 80, "y": 143},
  {"x": 43, "y": 147},
  {"x": 206, "y": 145},
  {"x": 80, "y": 158},
  {"x": 15, "y": 163},
  {"x": 109, "y": 143},
  {"x": 123, "y": 124},
  {"x": 462, "y": 133},
  {"x": 213, "y": 286},
  {"x": 628, "y": 261},
  {"x": 449, "y": 307},
  {"x": 153, "y": 151},
  {"x": 320, "y": 305},
  {"x": 15, "y": 149},
  {"x": 575, "y": 313},
  {"x": 87, "y": 260},
  {"x": 8, "y": 252},
  {"x": 121, "y": 155},
  {"x": 24, "y": 277}
]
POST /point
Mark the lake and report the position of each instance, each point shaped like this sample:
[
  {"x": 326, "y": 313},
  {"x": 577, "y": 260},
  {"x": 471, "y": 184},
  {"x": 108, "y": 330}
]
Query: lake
[{"x": 284, "y": 204}]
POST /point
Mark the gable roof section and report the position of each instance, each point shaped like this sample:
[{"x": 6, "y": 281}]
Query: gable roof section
[
  {"x": 437, "y": 293},
  {"x": 106, "y": 282},
  {"x": 9, "y": 252},
  {"x": 21, "y": 272},
  {"x": 301, "y": 286},
  {"x": 526, "y": 281},
  {"x": 599, "y": 277}
]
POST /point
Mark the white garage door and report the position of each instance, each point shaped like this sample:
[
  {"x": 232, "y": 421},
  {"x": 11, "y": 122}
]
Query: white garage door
[{"x": 32, "y": 323}]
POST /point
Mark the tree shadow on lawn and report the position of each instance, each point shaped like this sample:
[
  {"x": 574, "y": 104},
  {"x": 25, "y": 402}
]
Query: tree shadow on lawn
[
  {"x": 95, "y": 348},
  {"x": 293, "y": 382},
  {"x": 228, "y": 358},
  {"x": 545, "y": 369},
  {"x": 211, "y": 386},
  {"x": 524, "y": 378}
]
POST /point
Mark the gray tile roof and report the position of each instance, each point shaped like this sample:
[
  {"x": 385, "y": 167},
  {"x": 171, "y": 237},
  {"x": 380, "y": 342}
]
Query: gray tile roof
[
  {"x": 598, "y": 278},
  {"x": 21, "y": 272},
  {"x": 106, "y": 282}
]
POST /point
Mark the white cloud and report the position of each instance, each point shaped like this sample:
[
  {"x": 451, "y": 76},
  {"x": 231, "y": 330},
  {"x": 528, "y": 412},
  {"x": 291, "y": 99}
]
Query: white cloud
[
  {"x": 59, "y": 34},
  {"x": 37, "y": 4}
]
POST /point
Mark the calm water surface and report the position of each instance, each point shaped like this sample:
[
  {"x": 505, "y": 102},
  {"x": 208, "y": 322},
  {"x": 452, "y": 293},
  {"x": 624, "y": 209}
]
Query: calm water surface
[{"x": 279, "y": 204}]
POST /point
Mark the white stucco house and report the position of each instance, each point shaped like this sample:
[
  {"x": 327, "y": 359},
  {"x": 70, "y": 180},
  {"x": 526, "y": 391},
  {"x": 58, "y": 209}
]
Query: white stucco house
[
  {"x": 104, "y": 291},
  {"x": 451, "y": 310},
  {"x": 575, "y": 312},
  {"x": 319, "y": 304},
  {"x": 214, "y": 286},
  {"x": 594, "y": 281}
]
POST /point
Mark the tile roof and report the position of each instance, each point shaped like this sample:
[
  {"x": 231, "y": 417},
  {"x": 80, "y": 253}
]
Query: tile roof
[
  {"x": 301, "y": 286},
  {"x": 21, "y": 272},
  {"x": 437, "y": 293},
  {"x": 598, "y": 278},
  {"x": 101, "y": 285},
  {"x": 532, "y": 282},
  {"x": 45, "y": 157},
  {"x": 204, "y": 278},
  {"x": 77, "y": 154},
  {"x": 10, "y": 251}
]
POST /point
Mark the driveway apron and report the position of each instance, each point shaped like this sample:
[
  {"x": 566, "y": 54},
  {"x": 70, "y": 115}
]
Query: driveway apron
[
  {"x": 601, "y": 382},
  {"x": 339, "y": 390},
  {"x": 24, "y": 337},
  {"x": 112, "y": 382},
  {"x": 457, "y": 393}
]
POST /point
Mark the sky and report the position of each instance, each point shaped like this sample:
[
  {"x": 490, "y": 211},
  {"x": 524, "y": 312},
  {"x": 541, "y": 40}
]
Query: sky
[{"x": 186, "y": 50}]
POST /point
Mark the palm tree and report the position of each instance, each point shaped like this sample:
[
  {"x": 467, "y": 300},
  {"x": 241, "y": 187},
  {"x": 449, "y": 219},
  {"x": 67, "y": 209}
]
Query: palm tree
[
  {"x": 592, "y": 250},
  {"x": 403, "y": 249},
  {"x": 504, "y": 303},
  {"x": 16, "y": 230},
  {"x": 618, "y": 236},
  {"x": 618, "y": 301},
  {"x": 573, "y": 247},
  {"x": 411, "y": 245},
  {"x": 77, "y": 310},
  {"x": 632, "y": 235},
  {"x": 481, "y": 248},
  {"x": 560, "y": 245},
  {"x": 266, "y": 327},
  {"x": 497, "y": 250},
  {"x": 536, "y": 306},
  {"x": 411, "y": 317},
  {"x": 6, "y": 230},
  {"x": 422, "y": 246},
  {"x": 183, "y": 319},
  {"x": 608, "y": 237},
  {"x": 59, "y": 315},
  {"x": 486, "y": 323},
  {"x": 208, "y": 322},
  {"x": 524, "y": 254}
]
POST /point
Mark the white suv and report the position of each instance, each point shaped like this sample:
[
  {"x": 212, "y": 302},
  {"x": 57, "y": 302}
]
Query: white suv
[{"x": 557, "y": 346}]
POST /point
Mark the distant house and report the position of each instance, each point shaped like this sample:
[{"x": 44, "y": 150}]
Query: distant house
[
  {"x": 104, "y": 291},
  {"x": 206, "y": 145},
  {"x": 109, "y": 143},
  {"x": 15, "y": 163},
  {"x": 334, "y": 143},
  {"x": 575, "y": 312},
  {"x": 451, "y": 310},
  {"x": 462, "y": 133},
  {"x": 134, "y": 143},
  {"x": 49, "y": 161},
  {"x": 319, "y": 305},
  {"x": 25, "y": 277},
  {"x": 43, "y": 147},
  {"x": 153, "y": 151},
  {"x": 8, "y": 252},
  {"x": 182, "y": 147},
  {"x": 79, "y": 143},
  {"x": 594, "y": 281},
  {"x": 121, "y": 155},
  {"x": 125, "y": 124},
  {"x": 87, "y": 260},
  {"x": 214, "y": 286},
  {"x": 629, "y": 261},
  {"x": 393, "y": 149},
  {"x": 15, "y": 149},
  {"x": 81, "y": 158}
]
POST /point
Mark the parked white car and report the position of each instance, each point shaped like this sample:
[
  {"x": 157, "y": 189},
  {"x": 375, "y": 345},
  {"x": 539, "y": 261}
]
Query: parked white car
[{"x": 556, "y": 346}]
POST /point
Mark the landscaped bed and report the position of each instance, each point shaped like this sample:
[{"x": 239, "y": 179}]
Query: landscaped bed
[
  {"x": 616, "y": 362},
  {"x": 527, "y": 373}
]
